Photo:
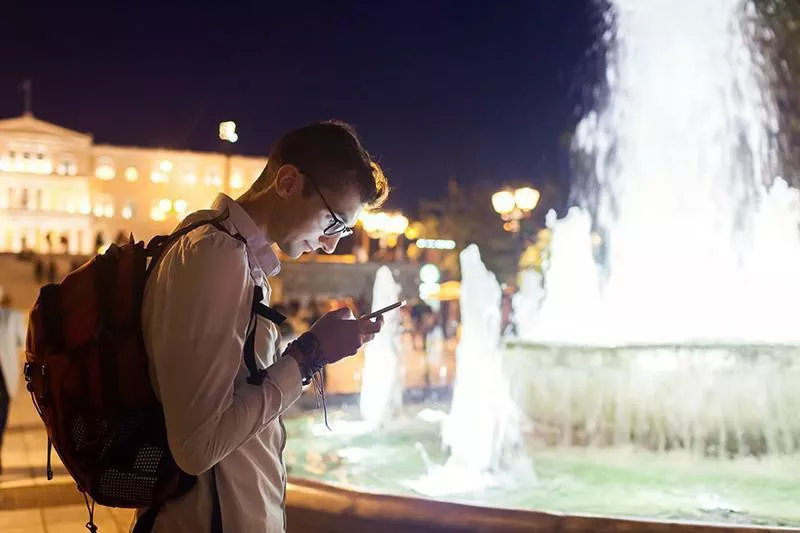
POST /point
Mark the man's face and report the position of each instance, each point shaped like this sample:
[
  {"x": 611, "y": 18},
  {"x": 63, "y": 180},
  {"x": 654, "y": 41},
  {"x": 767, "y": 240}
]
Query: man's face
[{"x": 306, "y": 217}]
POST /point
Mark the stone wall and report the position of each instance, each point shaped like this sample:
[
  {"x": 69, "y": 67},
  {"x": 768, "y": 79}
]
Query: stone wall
[{"x": 304, "y": 280}]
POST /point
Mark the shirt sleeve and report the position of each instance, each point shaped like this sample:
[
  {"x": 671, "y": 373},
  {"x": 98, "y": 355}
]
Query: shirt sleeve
[{"x": 195, "y": 315}]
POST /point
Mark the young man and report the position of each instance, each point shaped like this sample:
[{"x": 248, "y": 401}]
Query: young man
[{"x": 196, "y": 314}]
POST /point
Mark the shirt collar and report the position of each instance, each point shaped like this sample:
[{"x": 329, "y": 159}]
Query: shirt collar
[{"x": 257, "y": 243}]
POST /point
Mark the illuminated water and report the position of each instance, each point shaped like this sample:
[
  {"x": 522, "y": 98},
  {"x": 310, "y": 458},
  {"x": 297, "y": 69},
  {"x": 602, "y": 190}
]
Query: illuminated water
[
  {"x": 701, "y": 234},
  {"x": 382, "y": 382},
  {"x": 661, "y": 380}
]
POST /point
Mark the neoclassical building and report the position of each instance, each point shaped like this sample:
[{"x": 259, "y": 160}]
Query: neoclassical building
[{"x": 60, "y": 192}]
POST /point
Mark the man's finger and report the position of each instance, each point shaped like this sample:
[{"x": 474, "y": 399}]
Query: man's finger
[{"x": 368, "y": 326}]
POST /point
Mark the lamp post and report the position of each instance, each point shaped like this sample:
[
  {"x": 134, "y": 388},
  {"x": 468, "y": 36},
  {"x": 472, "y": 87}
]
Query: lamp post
[
  {"x": 513, "y": 206},
  {"x": 386, "y": 227},
  {"x": 227, "y": 136}
]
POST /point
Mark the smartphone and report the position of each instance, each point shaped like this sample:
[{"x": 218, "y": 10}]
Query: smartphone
[{"x": 386, "y": 309}]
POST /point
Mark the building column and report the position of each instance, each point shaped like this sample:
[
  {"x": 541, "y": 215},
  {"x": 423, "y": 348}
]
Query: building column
[
  {"x": 16, "y": 240},
  {"x": 74, "y": 242}
]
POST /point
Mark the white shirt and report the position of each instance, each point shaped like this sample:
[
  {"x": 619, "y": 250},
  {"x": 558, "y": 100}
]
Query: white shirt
[{"x": 195, "y": 313}]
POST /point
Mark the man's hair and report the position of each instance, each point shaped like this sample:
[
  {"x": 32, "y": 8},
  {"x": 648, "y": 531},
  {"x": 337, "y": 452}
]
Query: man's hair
[{"x": 332, "y": 154}]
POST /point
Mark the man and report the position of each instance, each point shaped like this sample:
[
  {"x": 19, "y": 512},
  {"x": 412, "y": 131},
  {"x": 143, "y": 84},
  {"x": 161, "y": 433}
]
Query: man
[
  {"x": 12, "y": 337},
  {"x": 196, "y": 314}
]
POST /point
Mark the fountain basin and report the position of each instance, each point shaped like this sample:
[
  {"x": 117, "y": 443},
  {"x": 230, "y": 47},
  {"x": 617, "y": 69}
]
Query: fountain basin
[
  {"x": 315, "y": 506},
  {"x": 717, "y": 400},
  {"x": 635, "y": 483}
]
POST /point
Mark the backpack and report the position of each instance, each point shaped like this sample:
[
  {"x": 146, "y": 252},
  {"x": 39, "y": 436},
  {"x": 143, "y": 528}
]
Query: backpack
[{"x": 87, "y": 371}]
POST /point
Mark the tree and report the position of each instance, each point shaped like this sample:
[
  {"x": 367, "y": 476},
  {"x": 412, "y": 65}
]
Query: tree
[
  {"x": 781, "y": 45},
  {"x": 465, "y": 215}
]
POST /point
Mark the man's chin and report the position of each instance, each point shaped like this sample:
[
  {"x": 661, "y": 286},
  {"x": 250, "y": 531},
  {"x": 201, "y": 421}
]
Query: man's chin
[{"x": 292, "y": 250}]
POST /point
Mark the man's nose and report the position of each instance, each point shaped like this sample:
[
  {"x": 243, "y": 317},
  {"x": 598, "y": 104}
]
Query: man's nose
[{"x": 329, "y": 242}]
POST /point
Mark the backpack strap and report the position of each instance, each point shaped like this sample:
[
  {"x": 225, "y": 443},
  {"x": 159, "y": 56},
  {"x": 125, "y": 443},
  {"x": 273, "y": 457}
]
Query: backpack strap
[
  {"x": 249, "y": 349},
  {"x": 159, "y": 244}
]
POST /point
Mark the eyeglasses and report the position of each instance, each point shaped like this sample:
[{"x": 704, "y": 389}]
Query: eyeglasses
[{"x": 337, "y": 225}]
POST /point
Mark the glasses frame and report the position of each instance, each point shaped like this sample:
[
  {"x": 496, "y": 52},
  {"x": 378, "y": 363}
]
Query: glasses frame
[{"x": 337, "y": 225}]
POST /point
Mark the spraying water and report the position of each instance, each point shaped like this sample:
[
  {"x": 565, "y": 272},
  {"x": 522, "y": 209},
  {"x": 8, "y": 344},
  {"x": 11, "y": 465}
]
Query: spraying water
[
  {"x": 480, "y": 431},
  {"x": 382, "y": 382},
  {"x": 701, "y": 234}
]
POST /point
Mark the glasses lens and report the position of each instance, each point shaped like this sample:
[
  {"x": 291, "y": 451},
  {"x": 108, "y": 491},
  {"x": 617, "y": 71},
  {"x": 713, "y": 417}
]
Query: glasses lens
[{"x": 336, "y": 228}]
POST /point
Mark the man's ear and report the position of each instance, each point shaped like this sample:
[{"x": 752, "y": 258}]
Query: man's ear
[{"x": 288, "y": 181}]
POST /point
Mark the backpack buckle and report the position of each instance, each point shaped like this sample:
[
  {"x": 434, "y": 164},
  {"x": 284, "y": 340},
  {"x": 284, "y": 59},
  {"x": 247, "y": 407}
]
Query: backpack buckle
[
  {"x": 27, "y": 371},
  {"x": 257, "y": 378}
]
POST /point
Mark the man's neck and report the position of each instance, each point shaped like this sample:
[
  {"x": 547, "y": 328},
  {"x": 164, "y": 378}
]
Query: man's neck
[{"x": 259, "y": 205}]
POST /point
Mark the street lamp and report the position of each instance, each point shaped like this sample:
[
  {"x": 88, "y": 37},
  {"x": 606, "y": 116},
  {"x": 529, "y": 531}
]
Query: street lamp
[
  {"x": 227, "y": 131},
  {"x": 513, "y": 206},
  {"x": 386, "y": 227}
]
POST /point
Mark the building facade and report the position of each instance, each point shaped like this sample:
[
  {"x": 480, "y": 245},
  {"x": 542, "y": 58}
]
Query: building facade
[{"x": 62, "y": 193}]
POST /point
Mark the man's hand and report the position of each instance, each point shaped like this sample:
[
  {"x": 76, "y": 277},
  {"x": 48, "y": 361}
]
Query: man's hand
[{"x": 339, "y": 334}]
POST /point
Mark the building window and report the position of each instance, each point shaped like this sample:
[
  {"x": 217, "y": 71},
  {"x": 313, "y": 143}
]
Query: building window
[
  {"x": 213, "y": 178},
  {"x": 131, "y": 173},
  {"x": 237, "y": 182},
  {"x": 189, "y": 178},
  {"x": 67, "y": 167},
  {"x": 127, "y": 210},
  {"x": 105, "y": 169},
  {"x": 180, "y": 207}
]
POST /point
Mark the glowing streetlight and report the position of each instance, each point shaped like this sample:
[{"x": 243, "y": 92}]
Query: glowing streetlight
[
  {"x": 513, "y": 206},
  {"x": 227, "y": 131},
  {"x": 386, "y": 227},
  {"x": 526, "y": 198},
  {"x": 503, "y": 202}
]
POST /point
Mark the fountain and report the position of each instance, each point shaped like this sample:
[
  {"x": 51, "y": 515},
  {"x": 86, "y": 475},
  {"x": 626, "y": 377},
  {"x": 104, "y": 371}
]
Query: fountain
[
  {"x": 660, "y": 380},
  {"x": 691, "y": 311},
  {"x": 382, "y": 379},
  {"x": 482, "y": 432}
]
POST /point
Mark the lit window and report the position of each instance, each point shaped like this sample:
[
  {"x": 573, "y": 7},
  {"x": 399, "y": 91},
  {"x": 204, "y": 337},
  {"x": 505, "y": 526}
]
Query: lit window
[
  {"x": 180, "y": 206},
  {"x": 157, "y": 214},
  {"x": 190, "y": 178},
  {"x": 131, "y": 174},
  {"x": 108, "y": 210},
  {"x": 165, "y": 166},
  {"x": 127, "y": 211},
  {"x": 86, "y": 207},
  {"x": 164, "y": 205},
  {"x": 236, "y": 180},
  {"x": 213, "y": 178},
  {"x": 98, "y": 210},
  {"x": 158, "y": 177},
  {"x": 67, "y": 167},
  {"x": 105, "y": 169}
]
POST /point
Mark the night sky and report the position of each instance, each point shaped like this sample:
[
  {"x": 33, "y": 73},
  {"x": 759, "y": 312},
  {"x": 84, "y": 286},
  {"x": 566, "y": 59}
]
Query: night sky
[{"x": 476, "y": 90}]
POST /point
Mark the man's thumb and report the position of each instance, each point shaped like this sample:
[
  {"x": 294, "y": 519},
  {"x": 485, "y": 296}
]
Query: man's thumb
[{"x": 342, "y": 313}]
